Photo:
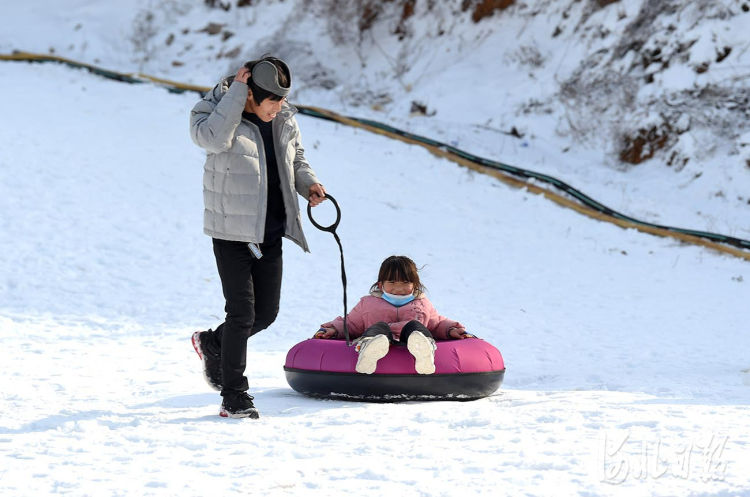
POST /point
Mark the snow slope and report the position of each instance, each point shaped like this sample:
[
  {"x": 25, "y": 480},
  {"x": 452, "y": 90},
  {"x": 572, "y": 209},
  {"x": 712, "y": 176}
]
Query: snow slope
[
  {"x": 560, "y": 87},
  {"x": 626, "y": 353}
]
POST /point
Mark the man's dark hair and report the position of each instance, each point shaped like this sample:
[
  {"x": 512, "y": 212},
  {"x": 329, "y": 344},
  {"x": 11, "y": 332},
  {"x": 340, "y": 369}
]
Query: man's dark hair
[{"x": 259, "y": 94}]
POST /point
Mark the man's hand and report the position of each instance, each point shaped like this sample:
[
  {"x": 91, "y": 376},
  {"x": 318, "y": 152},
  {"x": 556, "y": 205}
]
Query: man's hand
[
  {"x": 316, "y": 194},
  {"x": 242, "y": 75}
]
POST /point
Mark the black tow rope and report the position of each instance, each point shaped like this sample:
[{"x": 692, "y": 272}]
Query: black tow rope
[{"x": 332, "y": 229}]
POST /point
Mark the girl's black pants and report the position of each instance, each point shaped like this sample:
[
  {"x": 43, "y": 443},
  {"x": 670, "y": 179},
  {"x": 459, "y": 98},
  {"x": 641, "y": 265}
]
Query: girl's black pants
[{"x": 382, "y": 328}]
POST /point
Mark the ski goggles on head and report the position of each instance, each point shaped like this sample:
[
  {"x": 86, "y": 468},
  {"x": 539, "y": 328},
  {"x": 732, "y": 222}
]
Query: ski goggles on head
[{"x": 266, "y": 75}]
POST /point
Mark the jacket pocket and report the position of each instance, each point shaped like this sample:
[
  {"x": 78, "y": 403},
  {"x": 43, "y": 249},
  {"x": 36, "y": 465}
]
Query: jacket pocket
[{"x": 245, "y": 146}]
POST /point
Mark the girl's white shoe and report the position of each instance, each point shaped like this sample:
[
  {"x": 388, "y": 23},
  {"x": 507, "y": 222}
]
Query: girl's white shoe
[
  {"x": 423, "y": 350},
  {"x": 371, "y": 350}
]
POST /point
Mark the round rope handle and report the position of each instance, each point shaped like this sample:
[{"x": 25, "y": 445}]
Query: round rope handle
[{"x": 332, "y": 227}]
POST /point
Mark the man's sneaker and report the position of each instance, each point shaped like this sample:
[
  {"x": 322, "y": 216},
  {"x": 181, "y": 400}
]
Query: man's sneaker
[
  {"x": 371, "y": 350},
  {"x": 211, "y": 359},
  {"x": 423, "y": 350},
  {"x": 238, "y": 405}
]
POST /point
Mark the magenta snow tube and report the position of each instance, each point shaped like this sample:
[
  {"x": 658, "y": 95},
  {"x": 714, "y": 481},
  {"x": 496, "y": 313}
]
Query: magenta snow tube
[{"x": 464, "y": 370}]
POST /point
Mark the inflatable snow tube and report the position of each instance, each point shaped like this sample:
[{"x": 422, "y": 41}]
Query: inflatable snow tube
[{"x": 465, "y": 369}]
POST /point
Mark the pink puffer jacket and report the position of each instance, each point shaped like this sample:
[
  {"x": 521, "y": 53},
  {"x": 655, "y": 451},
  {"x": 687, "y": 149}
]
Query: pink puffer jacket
[{"x": 373, "y": 308}]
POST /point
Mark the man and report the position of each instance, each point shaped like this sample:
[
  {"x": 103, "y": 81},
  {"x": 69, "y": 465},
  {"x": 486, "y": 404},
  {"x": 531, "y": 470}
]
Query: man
[{"x": 255, "y": 162}]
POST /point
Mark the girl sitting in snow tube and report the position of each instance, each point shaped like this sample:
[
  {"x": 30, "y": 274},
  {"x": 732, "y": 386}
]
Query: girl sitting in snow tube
[{"x": 396, "y": 312}]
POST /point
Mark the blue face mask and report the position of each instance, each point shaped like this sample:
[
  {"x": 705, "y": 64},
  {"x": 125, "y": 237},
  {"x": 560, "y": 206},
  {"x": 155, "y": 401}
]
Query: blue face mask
[{"x": 398, "y": 300}]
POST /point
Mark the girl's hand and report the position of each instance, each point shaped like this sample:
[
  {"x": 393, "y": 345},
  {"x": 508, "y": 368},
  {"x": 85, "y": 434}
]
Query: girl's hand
[
  {"x": 457, "y": 333},
  {"x": 326, "y": 333}
]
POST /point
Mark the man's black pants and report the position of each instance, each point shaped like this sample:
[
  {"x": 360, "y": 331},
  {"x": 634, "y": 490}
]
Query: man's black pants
[{"x": 252, "y": 288}]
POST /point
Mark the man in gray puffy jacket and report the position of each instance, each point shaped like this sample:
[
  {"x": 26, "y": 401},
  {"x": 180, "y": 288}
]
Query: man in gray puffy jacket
[{"x": 255, "y": 166}]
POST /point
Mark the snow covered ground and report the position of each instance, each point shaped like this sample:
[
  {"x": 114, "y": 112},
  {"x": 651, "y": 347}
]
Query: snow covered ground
[
  {"x": 627, "y": 354},
  {"x": 572, "y": 78}
]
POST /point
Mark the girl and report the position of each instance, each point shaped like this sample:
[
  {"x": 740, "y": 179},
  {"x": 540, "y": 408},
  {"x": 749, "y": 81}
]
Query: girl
[{"x": 396, "y": 311}]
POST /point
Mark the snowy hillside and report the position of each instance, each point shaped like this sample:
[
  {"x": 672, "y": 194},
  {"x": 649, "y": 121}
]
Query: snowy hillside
[
  {"x": 615, "y": 341},
  {"x": 627, "y": 354},
  {"x": 641, "y": 104}
]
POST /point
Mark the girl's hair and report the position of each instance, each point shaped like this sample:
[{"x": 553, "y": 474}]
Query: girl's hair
[
  {"x": 259, "y": 94},
  {"x": 399, "y": 268}
]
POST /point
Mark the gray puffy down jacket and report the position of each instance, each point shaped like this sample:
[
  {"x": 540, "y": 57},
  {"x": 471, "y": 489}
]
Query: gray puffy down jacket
[{"x": 235, "y": 187}]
